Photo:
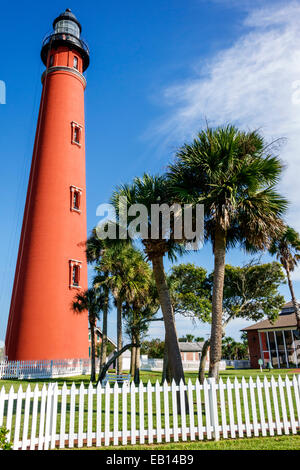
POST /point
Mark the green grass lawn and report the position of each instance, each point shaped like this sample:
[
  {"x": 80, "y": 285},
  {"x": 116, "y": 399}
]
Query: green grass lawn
[
  {"x": 152, "y": 376},
  {"x": 253, "y": 443}
]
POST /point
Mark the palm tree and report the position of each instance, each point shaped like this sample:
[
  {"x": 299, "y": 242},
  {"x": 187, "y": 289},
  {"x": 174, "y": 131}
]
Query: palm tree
[
  {"x": 138, "y": 314},
  {"x": 147, "y": 191},
  {"x": 90, "y": 300},
  {"x": 126, "y": 273},
  {"x": 286, "y": 248},
  {"x": 95, "y": 248},
  {"x": 233, "y": 175}
]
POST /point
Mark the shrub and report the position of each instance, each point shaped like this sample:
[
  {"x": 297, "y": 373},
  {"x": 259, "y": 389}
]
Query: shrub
[{"x": 4, "y": 444}]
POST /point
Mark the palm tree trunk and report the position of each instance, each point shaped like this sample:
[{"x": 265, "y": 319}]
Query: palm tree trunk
[
  {"x": 119, "y": 334},
  {"x": 137, "y": 361},
  {"x": 294, "y": 300},
  {"x": 217, "y": 303},
  {"x": 104, "y": 332},
  {"x": 166, "y": 370},
  {"x": 93, "y": 355},
  {"x": 167, "y": 310},
  {"x": 132, "y": 361},
  {"x": 201, "y": 374}
]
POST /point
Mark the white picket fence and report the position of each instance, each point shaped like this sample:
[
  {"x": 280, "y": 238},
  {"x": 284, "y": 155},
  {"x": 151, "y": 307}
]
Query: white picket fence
[
  {"x": 151, "y": 364},
  {"x": 75, "y": 417},
  {"x": 42, "y": 369}
]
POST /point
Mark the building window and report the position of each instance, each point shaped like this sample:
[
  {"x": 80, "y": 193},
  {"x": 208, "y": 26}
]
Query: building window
[
  {"x": 75, "y": 62},
  {"x": 51, "y": 61},
  {"x": 75, "y": 198},
  {"x": 76, "y": 133},
  {"x": 75, "y": 267}
]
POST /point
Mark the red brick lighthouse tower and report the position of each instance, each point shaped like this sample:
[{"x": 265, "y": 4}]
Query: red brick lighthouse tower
[{"x": 51, "y": 265}]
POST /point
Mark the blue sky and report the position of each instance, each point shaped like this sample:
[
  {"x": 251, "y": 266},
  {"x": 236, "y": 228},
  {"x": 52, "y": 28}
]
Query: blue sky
[{"x": 158, "y": 69}]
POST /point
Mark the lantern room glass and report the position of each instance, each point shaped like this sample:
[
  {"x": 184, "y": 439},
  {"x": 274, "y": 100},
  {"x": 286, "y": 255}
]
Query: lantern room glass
[{"x": 68, "y": 27}]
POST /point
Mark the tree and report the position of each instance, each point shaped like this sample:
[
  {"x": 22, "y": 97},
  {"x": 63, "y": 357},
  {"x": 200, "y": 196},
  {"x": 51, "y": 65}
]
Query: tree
[
  {"x": 153, "y": 348},
  {"x": 91, "y": 301},
  {"x": 251, "y": 292},
  {"x": 191, "y": 296},
  {"x": 233, "y": 174},
  {"x": 233, "y": 350},
  {"x": 190, "y": 292},
  {"x": 287, "y": 250},
  {"x": 95, "y": 249},
  {"x": 126, "y": 275},
  {"x": 147, "y": 191},
  {"x": 138, "y": 313}
]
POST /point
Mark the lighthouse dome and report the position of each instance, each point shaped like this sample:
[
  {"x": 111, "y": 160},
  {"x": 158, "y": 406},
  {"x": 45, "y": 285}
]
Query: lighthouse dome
[{"x": 67, "y": 22}]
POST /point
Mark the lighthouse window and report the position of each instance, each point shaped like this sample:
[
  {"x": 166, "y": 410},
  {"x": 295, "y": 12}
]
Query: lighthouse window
[
  {"x": 51, "y": 61},
  {"x": 76, "y": 133},
  {"x": 75, "y": 278},
  {"x": 75, "y": 62},
  {"x": 74, "y": 273},
  {"x": 75, "y": 198}
]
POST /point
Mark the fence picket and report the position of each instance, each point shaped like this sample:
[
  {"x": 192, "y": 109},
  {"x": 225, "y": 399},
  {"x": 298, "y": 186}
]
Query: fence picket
[
  {"x": 99, "y": 415},
  {"x": 26, "y": 417},
  {"x": 230, "y": 408},
  {"x": 89, "y": 439},
  {"x": 271, "y": 424},
  {"x": 54, "y": 416},
  {"x": 150, "y": 413},
  {"x": 275, "y": 404},
  {"x": 36, "y": 394},
  {"x": 261, "y": 407},
  {"x": 238, "y": 407},
  {"x": 290, "y": 405},
  {"x": 116, "y": 414},
  {"x": 80, "y": 415},
  {"x": 132, "y": 412},
  {"x": 18, "y": 418},
  {"x": 183, "y": 408},
  {"x": 42, "y": 418},
  {"x": 49, "y": 408},
  {"x": 174, "y": 411},
  {"x": 62, "y": 436},
  {"x": 253, "y": 407},
  {"x": 199, "y": 410},
  {"x": 191, "y": 410},
  {"x": 124, "y": 413},
  {"x": 107, "y": 415},
  {"x": 297, "y": 398},
  {"x": 283, "y": 406},
  {"x": 167, "y": 411},
  {"x": 224, "y": 426},
  {"x": 158, "y": 412},
  {"x": 141, "y": 413},
  {"x": 214, "y": 408},
  {"x": 72, "y": 415},
  {"x": 246, "y": 406},
  {"x": 207, "y": 409}
]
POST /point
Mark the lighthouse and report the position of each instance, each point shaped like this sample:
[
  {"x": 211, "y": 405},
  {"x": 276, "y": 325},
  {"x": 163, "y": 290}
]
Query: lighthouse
[{"x": 51, "y": 265}]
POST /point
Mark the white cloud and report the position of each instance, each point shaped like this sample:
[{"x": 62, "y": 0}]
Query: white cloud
[{"x": 254, "y": 84}]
